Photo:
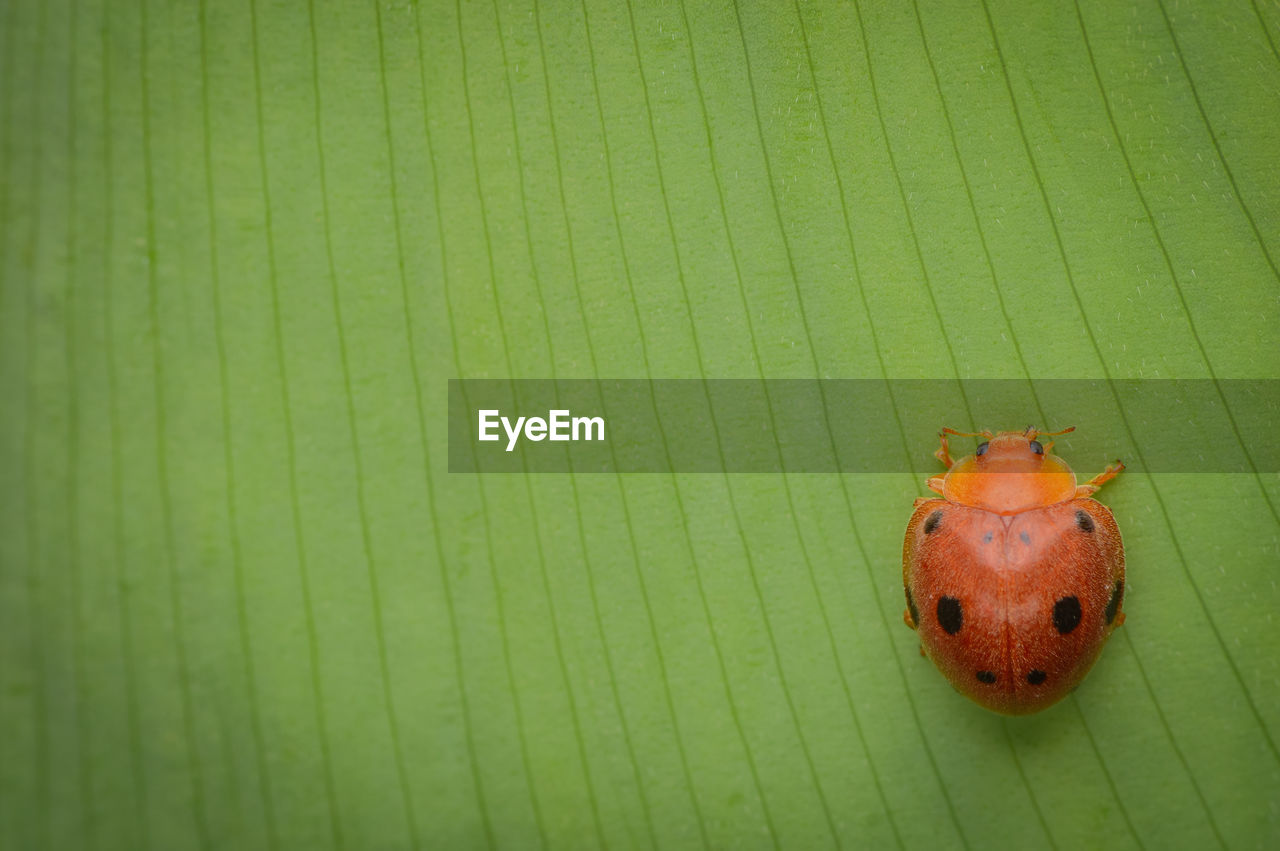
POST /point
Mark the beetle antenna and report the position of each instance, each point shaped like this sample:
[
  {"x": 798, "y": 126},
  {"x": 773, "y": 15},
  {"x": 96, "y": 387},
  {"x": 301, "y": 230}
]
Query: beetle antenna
[
  {"x": 984, "y": 433},
  {"x": 1033, "y": 433}
]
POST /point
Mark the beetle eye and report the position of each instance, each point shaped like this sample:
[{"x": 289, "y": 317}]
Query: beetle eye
[
  {"x": 1036, "y": 447},
  {"x": 982, "y": 449}
]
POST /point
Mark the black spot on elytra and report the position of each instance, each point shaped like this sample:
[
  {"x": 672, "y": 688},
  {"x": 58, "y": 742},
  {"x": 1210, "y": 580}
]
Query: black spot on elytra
[
  {"x": 911, "y": 607},
  {"x": 932, "y": 522},
  {"x": 986, "y": 539},
  {"x": 987, "y": 677},
  {"x": 1084, "y": 521},
  {"x": 1113, "y": 605},
  {"x": 950, "y": 617},
  {"x": 1026, "y": 539},
  {"x": 1066, "y": 614},
  {"x": 1036, "y": 677}
]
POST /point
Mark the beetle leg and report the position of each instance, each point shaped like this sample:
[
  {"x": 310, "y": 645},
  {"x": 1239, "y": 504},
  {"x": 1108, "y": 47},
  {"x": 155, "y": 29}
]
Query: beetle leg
[
  {"x": 906, "y": 618},
  {"x": 1091, "y": 487},
  {"x": 935, "y": 484}
]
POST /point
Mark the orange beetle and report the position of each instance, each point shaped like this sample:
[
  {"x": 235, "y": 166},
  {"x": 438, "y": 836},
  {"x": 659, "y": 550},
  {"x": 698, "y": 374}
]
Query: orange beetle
[{"x": 1015, "y": 577}]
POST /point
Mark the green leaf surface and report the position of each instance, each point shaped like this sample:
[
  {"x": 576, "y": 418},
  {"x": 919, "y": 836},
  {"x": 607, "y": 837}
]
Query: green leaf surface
[{"x": 243, "y": 246}]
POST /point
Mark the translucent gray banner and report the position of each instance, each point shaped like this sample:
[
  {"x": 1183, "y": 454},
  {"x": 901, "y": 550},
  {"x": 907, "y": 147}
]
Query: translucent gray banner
[{"x": 852, "y": 425}]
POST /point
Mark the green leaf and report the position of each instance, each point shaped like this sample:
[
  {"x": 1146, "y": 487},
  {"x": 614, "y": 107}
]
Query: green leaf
[{"x": 243, "y": 246}]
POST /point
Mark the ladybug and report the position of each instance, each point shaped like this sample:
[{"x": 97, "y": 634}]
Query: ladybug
[{"x": 1015, "y": 577}]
